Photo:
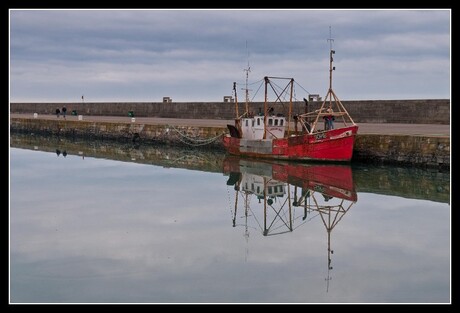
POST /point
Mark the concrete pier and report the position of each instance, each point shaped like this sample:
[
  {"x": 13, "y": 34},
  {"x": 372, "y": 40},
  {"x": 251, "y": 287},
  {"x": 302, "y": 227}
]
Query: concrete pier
[
  {"x": 421, "y": 111},
  {"x": 424, "y": 145}
]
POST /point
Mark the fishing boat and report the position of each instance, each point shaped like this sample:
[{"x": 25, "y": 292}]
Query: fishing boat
[{"x": 325, "y": 134}]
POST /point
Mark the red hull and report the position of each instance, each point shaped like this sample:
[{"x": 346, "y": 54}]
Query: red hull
[{"x": 332, "y": 145}]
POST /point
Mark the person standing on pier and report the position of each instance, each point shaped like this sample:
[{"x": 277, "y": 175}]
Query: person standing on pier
[
  {"x": 64, "y": 110},
  {"x": 58, "y": 112}
]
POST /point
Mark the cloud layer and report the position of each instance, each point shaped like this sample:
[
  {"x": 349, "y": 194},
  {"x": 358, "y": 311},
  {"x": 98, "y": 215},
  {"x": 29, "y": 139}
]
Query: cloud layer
[{"x": 196, "y": 55}]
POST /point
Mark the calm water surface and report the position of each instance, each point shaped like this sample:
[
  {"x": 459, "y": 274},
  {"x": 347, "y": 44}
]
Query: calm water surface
[{"x": 95, "y": 230}]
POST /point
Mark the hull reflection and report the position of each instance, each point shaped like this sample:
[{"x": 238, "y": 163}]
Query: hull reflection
[{"x": 279, "y": 188}]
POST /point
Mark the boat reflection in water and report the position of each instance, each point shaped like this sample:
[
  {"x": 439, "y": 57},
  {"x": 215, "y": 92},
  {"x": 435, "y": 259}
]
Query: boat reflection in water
[{"x": 270, "y": 192}]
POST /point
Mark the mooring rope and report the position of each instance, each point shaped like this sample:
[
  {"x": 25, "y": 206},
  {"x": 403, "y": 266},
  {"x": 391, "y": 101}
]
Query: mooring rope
[{"x": 195, "y": 141}]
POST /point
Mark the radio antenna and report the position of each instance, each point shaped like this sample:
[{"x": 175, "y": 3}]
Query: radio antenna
[{"x": 247, "y": 70}]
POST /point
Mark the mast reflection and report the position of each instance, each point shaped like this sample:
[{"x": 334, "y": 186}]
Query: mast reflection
[{"x": 270, "y": 193}]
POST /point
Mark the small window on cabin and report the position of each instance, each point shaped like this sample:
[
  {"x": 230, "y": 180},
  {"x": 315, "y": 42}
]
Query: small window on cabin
[
  {"x": 247, "y": 123},
  {"x": 276, "y": 122},
  {"x": 270, "y": 122},
  {"x": 281, "y": 122},
  {"x": 258, "y": 122},
  {"x": 253, "y": 123}
]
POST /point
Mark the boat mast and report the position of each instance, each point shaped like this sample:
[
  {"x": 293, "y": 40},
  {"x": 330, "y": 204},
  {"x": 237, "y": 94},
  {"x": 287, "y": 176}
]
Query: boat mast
[
  {"x": 265, "y": 107},
  {"x": 236, "y": 101},
  {"x": 290, "y": 106},
  {"x": 247, "y": 70},
  {"x": 331, "y": 68},
  {"x": 340, "y": 109},
  {"x": 331, "y": 93}
]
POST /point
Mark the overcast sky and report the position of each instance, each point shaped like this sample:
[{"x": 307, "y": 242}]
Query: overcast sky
[{"x": 196, "y": 55}]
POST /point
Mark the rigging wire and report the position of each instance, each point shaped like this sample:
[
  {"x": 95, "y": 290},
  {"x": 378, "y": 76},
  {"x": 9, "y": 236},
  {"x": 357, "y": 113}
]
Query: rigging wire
[
  {"x": 302, "y": 87},
  {"x": 261, "y": 81},
  {"x": 257, "y": 91}
]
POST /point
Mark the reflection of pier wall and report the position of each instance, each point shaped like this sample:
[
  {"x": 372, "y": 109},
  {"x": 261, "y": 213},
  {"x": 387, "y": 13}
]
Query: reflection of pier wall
[
  {"x": 202, "y": 159},
  {"x": 407, "y": 182}
]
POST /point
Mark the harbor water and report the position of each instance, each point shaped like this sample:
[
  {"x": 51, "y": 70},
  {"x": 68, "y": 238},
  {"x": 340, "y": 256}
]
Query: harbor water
[{"x": 102, "y": 222}]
